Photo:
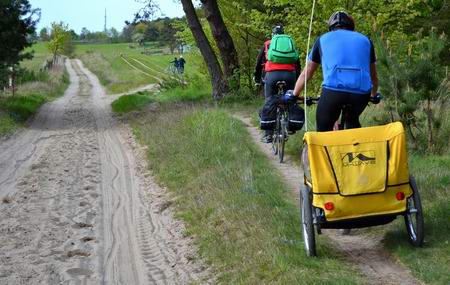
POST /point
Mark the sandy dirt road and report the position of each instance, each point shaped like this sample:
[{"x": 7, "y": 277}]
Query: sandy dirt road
[
  {"x": 78, "y": 205},
  {"x": 365, "y": 251}
]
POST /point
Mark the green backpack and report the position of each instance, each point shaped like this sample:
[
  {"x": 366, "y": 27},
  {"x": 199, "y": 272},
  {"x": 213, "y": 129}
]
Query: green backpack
[{"x": 282, "y": 50}]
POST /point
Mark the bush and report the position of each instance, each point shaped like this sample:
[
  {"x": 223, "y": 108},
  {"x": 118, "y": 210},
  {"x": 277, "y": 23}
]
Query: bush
[
  {"x": 416, "y": 88},
  {"x": 23, "y": 107},
  {"x": 129, "y": 103}
]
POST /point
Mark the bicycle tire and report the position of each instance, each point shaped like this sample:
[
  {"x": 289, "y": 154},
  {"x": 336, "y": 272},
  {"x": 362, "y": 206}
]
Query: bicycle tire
[
  {"x": 308, "y": 233},
  {"x": 414, "y": 225},
  {"x": 282, "y": 138},
  {"x": 276, "y": 135}
]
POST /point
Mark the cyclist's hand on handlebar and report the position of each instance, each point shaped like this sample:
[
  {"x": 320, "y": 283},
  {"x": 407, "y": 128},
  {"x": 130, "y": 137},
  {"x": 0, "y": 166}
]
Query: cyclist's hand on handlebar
[
  {"x": 288, "y": 97},
  {"x": 376, "y": 99}
]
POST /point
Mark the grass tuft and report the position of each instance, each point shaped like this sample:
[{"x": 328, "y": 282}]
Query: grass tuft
[
  {"x": 130, "y": 103},
  {"x": 21, "y": 108}
]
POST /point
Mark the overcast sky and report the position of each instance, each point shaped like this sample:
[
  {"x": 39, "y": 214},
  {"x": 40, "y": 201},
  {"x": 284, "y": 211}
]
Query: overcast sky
[{"x": 91, "y": 13}]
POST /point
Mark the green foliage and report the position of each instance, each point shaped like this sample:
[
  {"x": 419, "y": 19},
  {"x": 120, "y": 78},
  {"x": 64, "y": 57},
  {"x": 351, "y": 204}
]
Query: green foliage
[
  {"x": 130, "y": 103},
  {"x": 7, "y": 124},
  {"x": 17, "y": 24},
  {"x": 60, "y": 41},
  {"x": 20, "y": 108},
  {"x": 243, "y": 218},
  {"x": 416, "y": 89}
]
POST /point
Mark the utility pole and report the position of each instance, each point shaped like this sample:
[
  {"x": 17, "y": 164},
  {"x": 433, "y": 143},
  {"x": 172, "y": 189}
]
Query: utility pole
[{"x": 105, "y": 29}]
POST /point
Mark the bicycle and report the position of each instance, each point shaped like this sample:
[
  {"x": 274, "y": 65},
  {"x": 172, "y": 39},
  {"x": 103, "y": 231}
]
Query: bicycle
[{"x": 280, "y": 134}]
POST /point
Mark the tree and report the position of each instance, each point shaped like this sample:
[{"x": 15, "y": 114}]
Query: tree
[
  {"x": 223, "y": 40},
  {"x": 43, "y": 35},
  {"x": 220, "y": 86},
  {"x": 416, "y": 88},
  {"x": 113, "y": 35},
  {"x": 84, "y": 34},
  {"x": 60, "y": 41},
  {"x": 127, "y": 33},
  {"x": 17, "y": 24}
]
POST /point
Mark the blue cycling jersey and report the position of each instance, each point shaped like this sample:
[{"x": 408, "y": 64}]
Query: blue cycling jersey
[{"x": 345, "y": 57}]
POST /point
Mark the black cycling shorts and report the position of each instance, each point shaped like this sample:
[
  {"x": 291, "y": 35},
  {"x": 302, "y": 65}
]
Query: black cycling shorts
[{"x": 330, "y": 105}]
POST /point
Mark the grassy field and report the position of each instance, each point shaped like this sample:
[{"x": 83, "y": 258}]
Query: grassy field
[
  {"x": 121, "y": 67},
  {"x": 243, "y": 218}
]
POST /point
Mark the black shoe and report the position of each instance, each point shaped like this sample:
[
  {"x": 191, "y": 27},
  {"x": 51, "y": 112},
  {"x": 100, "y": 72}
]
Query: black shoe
[{"x": 267, "y": 139}]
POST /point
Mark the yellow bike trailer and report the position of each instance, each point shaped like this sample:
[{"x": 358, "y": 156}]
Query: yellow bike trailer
[{"x": 358, "y": 178}]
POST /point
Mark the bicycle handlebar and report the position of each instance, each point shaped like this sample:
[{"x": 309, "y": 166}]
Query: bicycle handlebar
[{"x": 312, "y": 100}]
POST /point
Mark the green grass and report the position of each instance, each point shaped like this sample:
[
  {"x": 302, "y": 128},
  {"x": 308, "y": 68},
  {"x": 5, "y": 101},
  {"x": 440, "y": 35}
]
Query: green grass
[
  {"x": 21, "y": 108},
  {"x": 194, "y": 92},
  {"x": 241, "y": 215},
  {"x": 430, "y": 263},
  {"x": 30, "y": 96},
  {"x": 129, "y": 103},
  {"x": 7, "y": 124},
  {"x": 105, "y": 60}
]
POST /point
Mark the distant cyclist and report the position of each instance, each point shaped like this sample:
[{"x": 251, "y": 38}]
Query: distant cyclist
[
  {"x": 276, "y": 69},
  {"x": 349, "y": 72}
]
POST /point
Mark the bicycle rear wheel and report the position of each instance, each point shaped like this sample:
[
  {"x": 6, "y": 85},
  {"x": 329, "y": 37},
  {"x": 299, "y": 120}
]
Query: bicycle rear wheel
[
  {"x": 282, "y": 138},
  {"x": 414, "y": 216},
  {"x": 276, "y": 137},
  {"x": 309, "y": 238}
]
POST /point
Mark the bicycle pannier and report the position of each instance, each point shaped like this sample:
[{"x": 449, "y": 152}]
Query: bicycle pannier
[{"x": 296, "y": 118}]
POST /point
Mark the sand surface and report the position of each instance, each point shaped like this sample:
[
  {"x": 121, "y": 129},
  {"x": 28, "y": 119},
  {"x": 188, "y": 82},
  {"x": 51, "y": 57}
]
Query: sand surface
[{"x": 78, "y": 204}]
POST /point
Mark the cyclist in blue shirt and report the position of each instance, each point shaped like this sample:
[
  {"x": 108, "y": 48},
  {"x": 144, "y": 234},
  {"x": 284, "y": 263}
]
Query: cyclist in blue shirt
[{"x": 349, "y": 72}]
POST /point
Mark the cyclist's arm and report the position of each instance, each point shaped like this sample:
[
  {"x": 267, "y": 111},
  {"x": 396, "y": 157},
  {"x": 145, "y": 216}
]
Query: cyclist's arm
[
  {"x": 261, "y": 59},
  {"x": 374, "y": 77},
  {"x": 306, "y": 74}
]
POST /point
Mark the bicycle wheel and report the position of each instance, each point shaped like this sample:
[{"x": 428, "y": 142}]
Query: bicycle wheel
[
  {"x": 276, "y": 136},
  {"x": 414, "y": 216},
  {"x": 282, "y": 138},
  {"x": 307, "y": 221}
]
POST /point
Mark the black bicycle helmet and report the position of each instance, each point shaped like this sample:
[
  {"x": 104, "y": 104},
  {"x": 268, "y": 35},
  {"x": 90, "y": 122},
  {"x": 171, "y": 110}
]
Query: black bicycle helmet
[
  {"x": 278, "y": 30},
  {"x": 341, "y": 19}
]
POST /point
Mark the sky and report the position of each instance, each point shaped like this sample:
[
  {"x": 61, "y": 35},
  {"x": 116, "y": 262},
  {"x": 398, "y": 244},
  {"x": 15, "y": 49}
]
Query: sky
[{"x": 91, "y": 13}]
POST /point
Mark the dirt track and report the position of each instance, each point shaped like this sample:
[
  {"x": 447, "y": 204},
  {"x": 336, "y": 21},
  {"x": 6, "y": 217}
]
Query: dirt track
[
  {"x": 77, "y": 206},
  {"x": 365, "y": 251}
]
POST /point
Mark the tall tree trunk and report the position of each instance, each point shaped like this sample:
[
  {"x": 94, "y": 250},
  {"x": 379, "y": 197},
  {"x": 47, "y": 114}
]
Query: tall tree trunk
[
  {"x": 219, "y": 85},
  {"x": 223, "y": 40}
]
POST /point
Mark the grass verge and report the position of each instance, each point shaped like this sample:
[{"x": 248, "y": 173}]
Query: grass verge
[
  {"x": 431, "y": 262},
  {"x": 194, "y": 92},
  {"x": 15, "y": 110},
  {"x": 132, "y": 102},
  {"x": 237, "y": 208}
]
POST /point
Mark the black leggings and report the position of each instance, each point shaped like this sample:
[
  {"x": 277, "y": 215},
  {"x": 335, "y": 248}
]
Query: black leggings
[{"x": 330, "y": 106}]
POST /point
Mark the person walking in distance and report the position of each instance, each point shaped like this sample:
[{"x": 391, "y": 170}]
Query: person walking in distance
[
  {"x": 181, "y": 63},
  {"x": 175, "y": 65}
]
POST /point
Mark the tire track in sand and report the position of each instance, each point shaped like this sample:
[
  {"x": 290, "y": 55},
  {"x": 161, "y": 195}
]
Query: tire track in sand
[{"x": 79, "y": 205}]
